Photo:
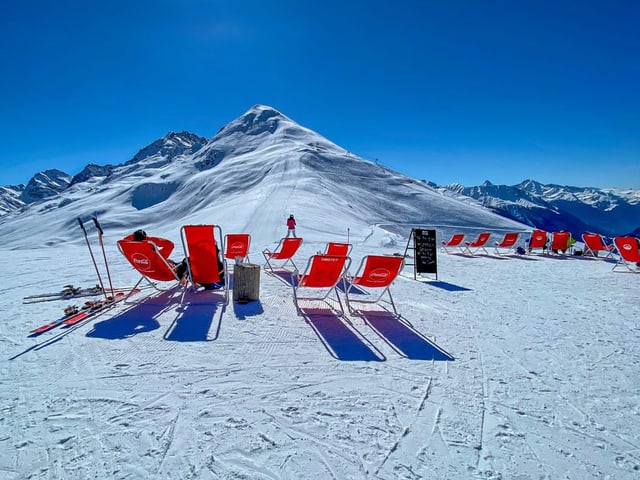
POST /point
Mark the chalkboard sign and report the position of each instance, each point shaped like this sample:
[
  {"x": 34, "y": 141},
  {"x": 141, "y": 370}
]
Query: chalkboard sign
[{"x": 425, "y": 247}]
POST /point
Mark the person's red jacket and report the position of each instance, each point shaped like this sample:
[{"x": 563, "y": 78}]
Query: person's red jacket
[
  {"x": 165, "y": 246},
  {"x": 291, "y": 223}
]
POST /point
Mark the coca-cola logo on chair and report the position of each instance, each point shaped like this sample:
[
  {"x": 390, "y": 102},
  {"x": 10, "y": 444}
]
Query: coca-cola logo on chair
[
  {"x": 379, "y": 274},
  {"x": 141, "y": 261}
]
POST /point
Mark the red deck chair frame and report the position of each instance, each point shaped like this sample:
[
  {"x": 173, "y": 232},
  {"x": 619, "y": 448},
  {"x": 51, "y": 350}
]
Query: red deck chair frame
[
  {"x": 629, "y": 252},
  {"x": 507, "y": 243},
  {"x": 323, "y": 272},
  {"x": 237, "y": 245},
  {"x": 338, "y": 249},
  {"x": 374, "y": 272},
  {"x": 285, "y": 250},
  {"x": 146, "y": 259},
  {"x": 454, "y": 242},
  {"x": 594, "y": 243},
  {"x": 199, "y": 243},
  {"x": 538, "y": 241},
  {"x": 560, "y": 242},
  {"x": 478, "y": 244}
]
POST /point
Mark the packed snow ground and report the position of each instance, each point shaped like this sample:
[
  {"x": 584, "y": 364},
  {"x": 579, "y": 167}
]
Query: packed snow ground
[{"x": 543, "y": 382}]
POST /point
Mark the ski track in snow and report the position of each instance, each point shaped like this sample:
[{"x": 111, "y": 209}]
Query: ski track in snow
[{"x": 543, "y": 385}]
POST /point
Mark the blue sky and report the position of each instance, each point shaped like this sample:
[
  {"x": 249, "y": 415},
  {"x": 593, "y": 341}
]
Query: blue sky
[{"x": 456, "y": 91}]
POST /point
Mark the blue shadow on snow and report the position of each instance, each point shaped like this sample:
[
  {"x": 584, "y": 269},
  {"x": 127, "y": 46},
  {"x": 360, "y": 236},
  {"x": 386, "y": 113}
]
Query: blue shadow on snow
[
  {"x": 135, "y": 320},
  {"x": 341, "y": 341},
  {"x": 343, "y": 285},
  {"x": 250, "y": 309},
  {"x": 448, "y": 286},
  {"x": 283, "y": 275},
  {"x": 196, "y": 316},
  {"x": 403, "y": 338}
]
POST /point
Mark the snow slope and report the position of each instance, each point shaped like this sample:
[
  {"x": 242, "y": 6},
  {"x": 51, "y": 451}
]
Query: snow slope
[{"x": 543, "y": 381}]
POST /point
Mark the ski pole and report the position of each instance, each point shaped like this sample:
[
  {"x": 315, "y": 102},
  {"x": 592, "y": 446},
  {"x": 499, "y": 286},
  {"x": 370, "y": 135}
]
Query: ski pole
[
  {"x": 93, "y": 259},
  {"x": 104, "y": 254}
]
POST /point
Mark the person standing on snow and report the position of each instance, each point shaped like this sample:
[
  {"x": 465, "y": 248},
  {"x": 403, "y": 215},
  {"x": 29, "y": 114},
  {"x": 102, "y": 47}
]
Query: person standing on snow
[{"x": 291, "y": 226}]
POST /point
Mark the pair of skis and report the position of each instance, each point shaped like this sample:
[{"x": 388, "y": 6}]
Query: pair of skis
[
  {"x": 69, "y": 292},
  {"x": 89, "y": 309},
  {"x": 74, "y": 315}
]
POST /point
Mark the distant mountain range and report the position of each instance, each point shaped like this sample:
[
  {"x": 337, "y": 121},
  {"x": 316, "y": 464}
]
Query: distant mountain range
[
  {"x": 264, "y": 157},
  {"x": 609, "y": 212}
]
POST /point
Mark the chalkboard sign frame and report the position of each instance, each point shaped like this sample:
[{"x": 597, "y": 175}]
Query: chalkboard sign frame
[{"x": 425, "y": 251}]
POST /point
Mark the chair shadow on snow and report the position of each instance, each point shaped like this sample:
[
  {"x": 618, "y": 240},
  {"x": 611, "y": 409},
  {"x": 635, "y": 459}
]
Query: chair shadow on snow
[
  {"x": 139, "y": 318},
  {"x": 527, "y": 258},
  {"x": 402, "y": 337},
  {"x": 284, "y": 276},
  {"x": 197, "y": 316},
  {"x": 344, "y": 342}
]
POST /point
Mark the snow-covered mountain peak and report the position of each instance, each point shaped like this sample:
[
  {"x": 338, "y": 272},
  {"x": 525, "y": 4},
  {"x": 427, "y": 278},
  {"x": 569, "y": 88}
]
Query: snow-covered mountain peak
[
  {"x": 10, "y": 199},
  {"x": 262, "y": 129},
  {"x": 91, "y": 171},
  {"x": 258, "y": 120},
  {"x": 531, "y": 186},
  {"x": 263, "y": 126},
  {"x": 45, "y": 184},
  {"x": 169, "y": 146}
]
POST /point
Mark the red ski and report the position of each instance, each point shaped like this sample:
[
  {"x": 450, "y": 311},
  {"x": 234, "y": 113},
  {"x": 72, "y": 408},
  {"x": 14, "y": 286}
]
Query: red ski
[
  {"x": 94, "y": 307},
  {"x": 55, "y": 323},
  {"x": 90, "y": 308}
]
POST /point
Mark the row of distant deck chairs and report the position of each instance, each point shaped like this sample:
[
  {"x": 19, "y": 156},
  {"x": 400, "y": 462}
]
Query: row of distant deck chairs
[
  {"x": 626, "y": 247},
  {"x": 324, "y": 274}
]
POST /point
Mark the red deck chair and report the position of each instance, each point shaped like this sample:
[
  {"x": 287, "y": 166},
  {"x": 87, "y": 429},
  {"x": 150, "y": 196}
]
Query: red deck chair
[
  {"x": 478, "y": 244},
  {"x": 201, "y": 251},
  {"x": 560, "y": 241},
  {"x": 374, "y": 272},
  {"x": 629, "y": 252},
  {"x": 538, "y": 241},
  {"x": 338, "y": 249},
  {"x": 594, "y": 243},
  {"x": 454, "y": 242},
  {"x": 322, "y": 272},
  {"x": 237, "y": 245},
  {"x": 285, "y": 250},
  {"x": 148, "y": 261},
  {"x": 507, "y": 243}
]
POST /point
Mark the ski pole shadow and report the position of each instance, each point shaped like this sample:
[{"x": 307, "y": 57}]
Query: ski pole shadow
[
  {"x": 342, "y": 341},
  {"x": 402, "y": 337}
]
